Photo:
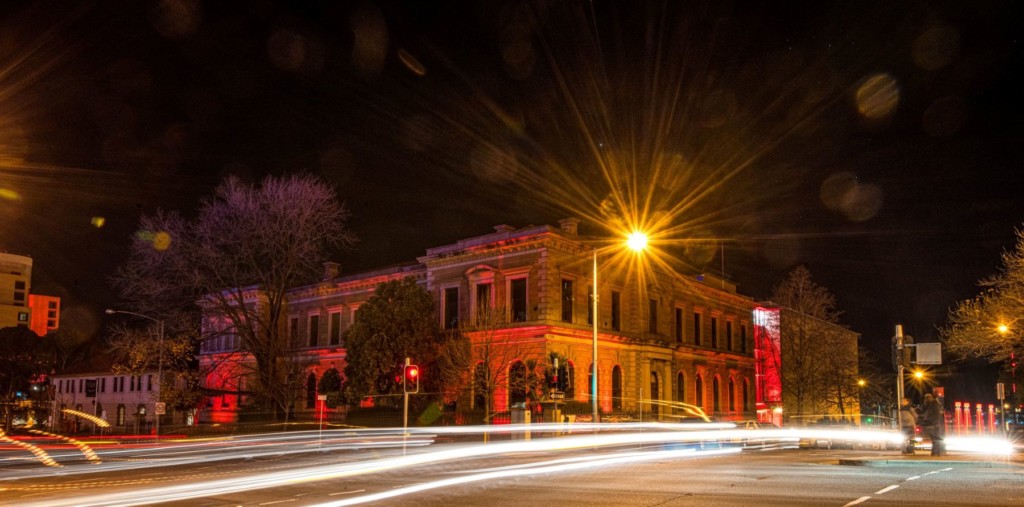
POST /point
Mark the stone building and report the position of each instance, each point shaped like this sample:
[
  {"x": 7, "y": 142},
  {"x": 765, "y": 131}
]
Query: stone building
[{"x": 662, "y": 338}]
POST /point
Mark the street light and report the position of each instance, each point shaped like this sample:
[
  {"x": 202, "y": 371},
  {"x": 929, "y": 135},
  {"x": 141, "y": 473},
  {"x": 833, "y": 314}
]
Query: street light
[
  {"x": 636, "y": 241},
  {"x": 159, "y": 360}
]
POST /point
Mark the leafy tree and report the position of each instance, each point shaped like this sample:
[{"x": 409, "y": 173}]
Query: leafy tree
[
  {"x": 330, "y": 385},
  {"x": 818, "y": 358},
  {"x": 990, "y": 326},
  {"x": 25, "y": 357},
  {"x": 246, "y": 247},
  {"x": 398, "y": 321}
]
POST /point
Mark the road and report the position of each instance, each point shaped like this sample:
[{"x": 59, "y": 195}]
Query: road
[{"x": 372, "y": 469}]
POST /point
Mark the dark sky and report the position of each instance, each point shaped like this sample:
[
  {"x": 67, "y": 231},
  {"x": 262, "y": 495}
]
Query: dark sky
[{"x": 876, "y": 142}]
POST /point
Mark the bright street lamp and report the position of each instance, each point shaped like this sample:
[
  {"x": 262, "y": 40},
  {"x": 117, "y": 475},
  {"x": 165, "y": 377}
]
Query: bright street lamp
[
  {"x": 636, "y": 241},
  {"x": 159, "y": 360}
]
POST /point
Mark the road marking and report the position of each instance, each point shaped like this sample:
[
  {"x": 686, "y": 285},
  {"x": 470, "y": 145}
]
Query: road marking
[
  {"x": 857, "y": 501},
  {"x": 913, "y": 478},
  {"x": 278, "y": 501},
  {"x": 887, "y": 489},
  {"x": 347, "y": 492}
]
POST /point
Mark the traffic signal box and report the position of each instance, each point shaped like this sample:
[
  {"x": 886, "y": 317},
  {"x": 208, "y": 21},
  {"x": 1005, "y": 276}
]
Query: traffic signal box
[{"x": 411, "y": 379}]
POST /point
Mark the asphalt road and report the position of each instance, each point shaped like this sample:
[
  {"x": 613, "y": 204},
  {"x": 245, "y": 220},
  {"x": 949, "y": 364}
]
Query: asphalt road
[{"x": 643, "y": 475}]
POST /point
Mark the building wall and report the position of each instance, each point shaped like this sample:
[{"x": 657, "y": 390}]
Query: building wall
[
  {"x": 520, "y": 273},
  {"x": 15, "y": 284},
  {"x": 45, "y": 313},
  {"x": 126, "y": 402}
]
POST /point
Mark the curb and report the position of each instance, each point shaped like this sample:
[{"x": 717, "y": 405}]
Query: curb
[{"x": 871, "y": 462}]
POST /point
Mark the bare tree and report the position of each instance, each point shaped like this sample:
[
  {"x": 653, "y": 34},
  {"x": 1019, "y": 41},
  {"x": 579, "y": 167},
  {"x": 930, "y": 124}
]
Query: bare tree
[
  {"x": 817, "y": 360},
  {"x": 247, "y": 246},
  {"x": 487, "y": 354}
]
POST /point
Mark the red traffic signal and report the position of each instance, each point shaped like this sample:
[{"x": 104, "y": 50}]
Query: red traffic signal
[{"x": 412, "y": 379}]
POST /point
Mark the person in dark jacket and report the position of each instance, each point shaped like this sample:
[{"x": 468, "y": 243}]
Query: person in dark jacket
[
  {"x": 932, "y": 421},
  {"x": 908, "y": 420}
]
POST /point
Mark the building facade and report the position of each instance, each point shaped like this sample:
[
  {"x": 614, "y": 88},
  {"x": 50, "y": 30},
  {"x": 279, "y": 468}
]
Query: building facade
[
  {"x": 15, "y": 284},
  {"x": 663, "y": 339},
  {"x": 45, "y": 313},
  {"x": 807, "y": 369},
  {"x": 126, "y": 402}
]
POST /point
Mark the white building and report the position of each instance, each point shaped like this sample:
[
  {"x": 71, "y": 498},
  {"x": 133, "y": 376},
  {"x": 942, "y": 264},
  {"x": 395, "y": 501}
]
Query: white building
[{"x": 126, "y": 402}]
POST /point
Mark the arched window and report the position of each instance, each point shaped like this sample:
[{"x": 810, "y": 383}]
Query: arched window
[
  {"x": 732, "y": 396},
  {"x": 716, "y": 395},
  {"x": 480, "y": 386},
  {"x": 516, "y": 383},
  {"x": 311, "y": 390},
  {"x": 655, "y": 395},
  {"x": 617, "y": 388},
  {"x": 570, "y": 381},
  {"x": 746, "y": 395},
  {"x": 698, "y": 391},
  {"x": 680, "y": 387}
]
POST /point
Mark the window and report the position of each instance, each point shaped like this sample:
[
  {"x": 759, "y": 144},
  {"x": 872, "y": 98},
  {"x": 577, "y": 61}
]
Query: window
[
  {"x": 680, "y": 388},
  {"x": 293, "y": 331},
  {"x": 567, "y": 300},
  {"x": 120, "y": 415},
  {"x": 590, "y": 305},
  {"x": 19, "y": 285},
  {"x": 743, "y": 338},
  {"x": 131, "y": 384},
  {"x": 335, "y": 323},
  {"x": 314, "y": 330},
  {"x": 616, "y": 311},
  {"x": 483, "y": 301},
  {"x": 716, "y": 395},
  {"x": 22, "y": 317},
  {"x": 617, "y": 388},
  {"x": 19, "y": 296},
  {"x": 52, "y": 305},
  {"x": 570, "y": 381},
  {"x": 103, "y": 385},
  {"x": 728, "y": 335},
  {"x": 698, "y": 391},
  {"x": 451, "y": 307},
  {"x": 714, "y": 332},
  {"x": 149, "y": 383},
  {"x": 679, "y": 326},
  {"x": 732, "y": 396},
  {"x": 52, "y": 314},
  {"x": 517, "y": 295},
  {"x": 81, "y": 385},
  {"x": 311, "y": 391},
  {"x": 652, "y": 316},
  {"x": 696, "y": 329}
]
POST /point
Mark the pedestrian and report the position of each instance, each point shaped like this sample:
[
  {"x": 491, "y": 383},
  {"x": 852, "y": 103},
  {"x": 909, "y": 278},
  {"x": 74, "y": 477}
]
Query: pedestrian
[
  {"x": 933, "y": 424},
  {"x": 908, "y": 420}
]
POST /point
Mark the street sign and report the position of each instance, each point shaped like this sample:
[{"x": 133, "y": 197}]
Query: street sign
[
  {"x": 1000, "y": 392},
  {"x": 557, "y": 395},
  {"x": 161, "y": 408},
  {"x": 321, "y": 397},
  {"x": 929, "y": 353}
]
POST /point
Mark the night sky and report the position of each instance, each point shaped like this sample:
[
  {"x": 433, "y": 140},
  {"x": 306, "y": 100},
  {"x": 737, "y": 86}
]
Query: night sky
[{"x": 878, "y": 143}]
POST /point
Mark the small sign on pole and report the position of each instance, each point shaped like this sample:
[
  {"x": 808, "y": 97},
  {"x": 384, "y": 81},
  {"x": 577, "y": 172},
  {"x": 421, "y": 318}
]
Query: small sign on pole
[
  {"x": 1000, "y": 392},
  {"x": 929, "y": 353},
  {"x": 161, "y": 408}
]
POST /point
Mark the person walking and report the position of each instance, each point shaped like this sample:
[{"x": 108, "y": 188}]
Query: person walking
[
  {"x": 933, "y": 424},
  {"x": 908, "y": 420}
]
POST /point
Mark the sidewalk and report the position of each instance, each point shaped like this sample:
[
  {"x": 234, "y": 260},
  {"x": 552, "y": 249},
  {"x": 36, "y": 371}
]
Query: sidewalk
[{"x": 951, "y": 459}]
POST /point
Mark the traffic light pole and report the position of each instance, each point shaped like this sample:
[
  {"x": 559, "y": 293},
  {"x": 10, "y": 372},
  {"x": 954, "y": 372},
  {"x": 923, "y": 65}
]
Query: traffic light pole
[
  {"x": 404, "y": 412},
  {"x": 899, "y": 370}
]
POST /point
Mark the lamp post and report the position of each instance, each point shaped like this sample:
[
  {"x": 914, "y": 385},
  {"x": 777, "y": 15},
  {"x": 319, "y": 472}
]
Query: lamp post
[
  {"x": 159, "y": 360},
  {"x": 637, "y": 241}
]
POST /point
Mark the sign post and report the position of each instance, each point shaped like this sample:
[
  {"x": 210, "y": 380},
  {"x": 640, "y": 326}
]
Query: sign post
[
  {"x": 322, "y": 398},
  {"x": 1001, "y": 395}
]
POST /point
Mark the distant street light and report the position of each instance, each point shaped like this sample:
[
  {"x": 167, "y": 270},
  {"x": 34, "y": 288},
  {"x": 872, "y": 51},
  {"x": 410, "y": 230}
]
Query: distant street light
[
  {"x": 159, "y": 360},
  {"x": 862, "y": 382}
]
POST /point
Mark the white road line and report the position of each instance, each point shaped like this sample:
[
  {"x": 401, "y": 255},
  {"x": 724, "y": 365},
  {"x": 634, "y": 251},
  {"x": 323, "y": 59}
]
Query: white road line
[
  {"x": 887, "y": 489},
  {"x": 913, "y": 478},
  {"x": 278, "y": 501},
  {"x": 347, "y": 492},
  {"x": 857, "y": 501}
]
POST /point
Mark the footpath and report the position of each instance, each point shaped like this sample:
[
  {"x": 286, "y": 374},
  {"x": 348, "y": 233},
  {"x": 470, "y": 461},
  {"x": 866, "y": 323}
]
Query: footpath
[{"x": 954, "y": 459}]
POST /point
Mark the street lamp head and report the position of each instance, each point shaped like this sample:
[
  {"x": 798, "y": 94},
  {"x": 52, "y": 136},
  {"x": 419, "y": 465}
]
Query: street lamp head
[
  {"x": 110, "y": 311},
  {"x": 862, "y": 382},
  {"x": 637, "y": 241},
  {"x": 1003, "y": 328},
  {"x": 919, "y": 374}
]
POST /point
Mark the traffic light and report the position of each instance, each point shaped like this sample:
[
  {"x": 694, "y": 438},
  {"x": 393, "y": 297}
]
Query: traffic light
[{"x": 411, "y": 379}]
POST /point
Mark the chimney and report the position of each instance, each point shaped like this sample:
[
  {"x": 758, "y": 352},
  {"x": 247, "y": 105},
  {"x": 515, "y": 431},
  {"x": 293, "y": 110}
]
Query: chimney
[
  {"x": 569, "y": 225},
  {"x": 504, "y": 228},
  {"x": 331, "y": 270}
]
